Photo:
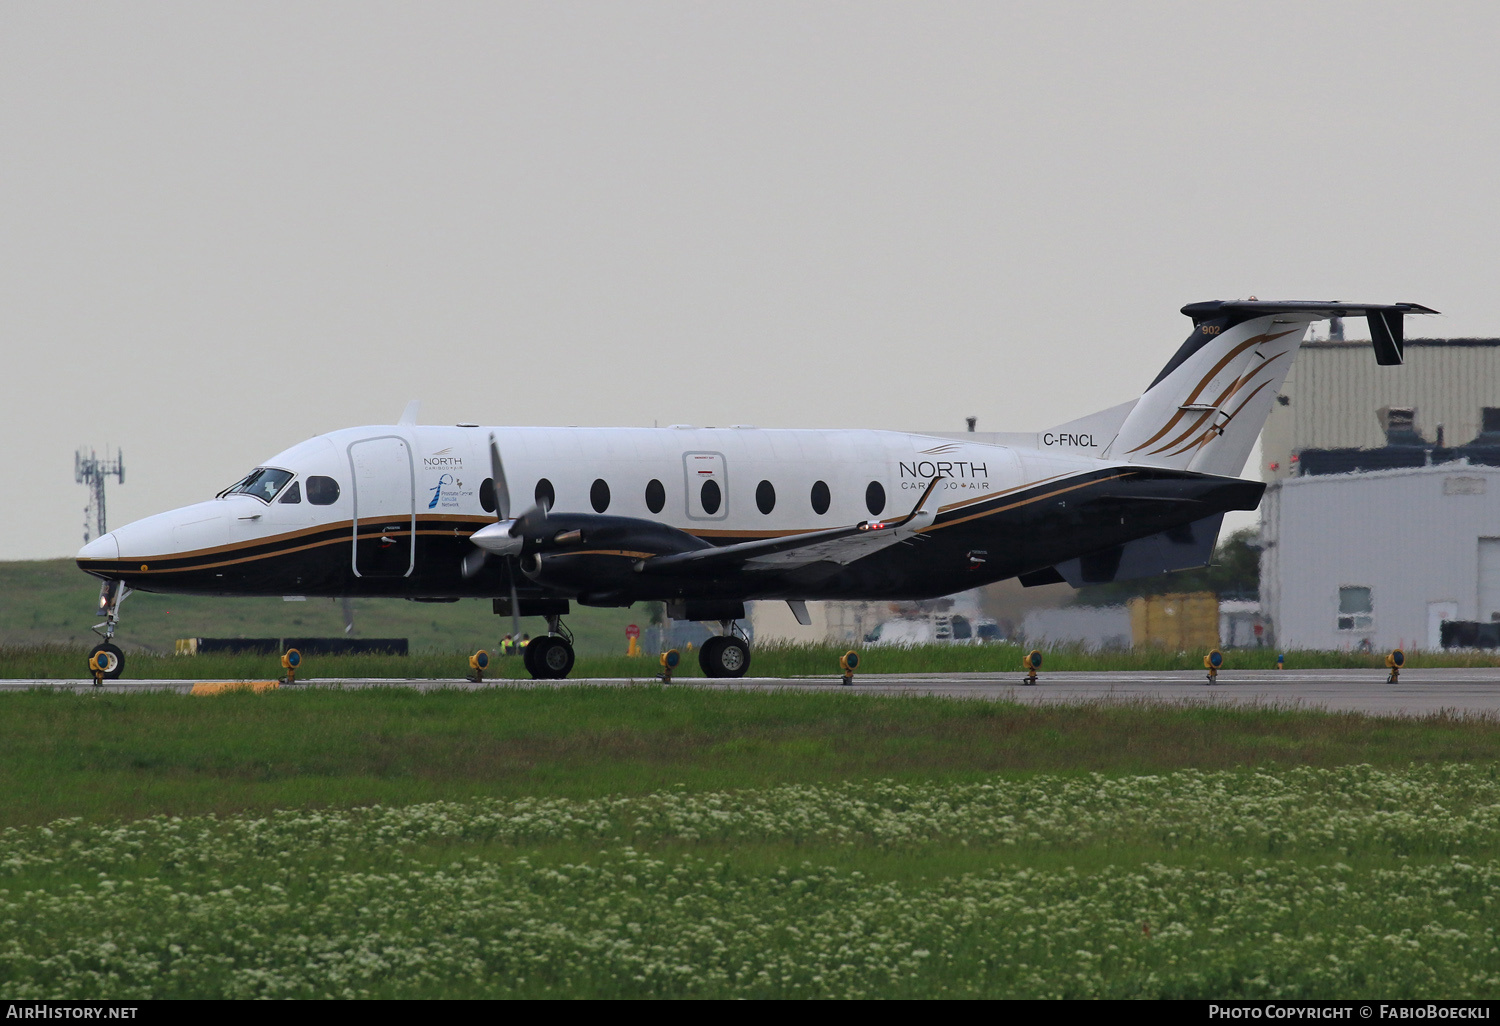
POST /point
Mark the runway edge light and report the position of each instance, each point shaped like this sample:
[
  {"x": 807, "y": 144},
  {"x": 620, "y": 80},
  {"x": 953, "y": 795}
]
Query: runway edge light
[
  {"x": 849, "y": 662},
  {"x": 1393, "y": 662},
  {"x": 478, "y": 663},
  {"x": 669, "y": 660},
  {"x": 1212, "y": 662},
  {"x": 1031, "y": 662},
  {"x": 290, "y": 661}
]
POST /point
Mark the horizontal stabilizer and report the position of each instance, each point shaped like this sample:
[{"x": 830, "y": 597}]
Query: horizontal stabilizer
[{"x": 1385, "y": 319}]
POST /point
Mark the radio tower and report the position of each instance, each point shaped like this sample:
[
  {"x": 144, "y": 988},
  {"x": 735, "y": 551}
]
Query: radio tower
[{"x": 89, "y": 469}]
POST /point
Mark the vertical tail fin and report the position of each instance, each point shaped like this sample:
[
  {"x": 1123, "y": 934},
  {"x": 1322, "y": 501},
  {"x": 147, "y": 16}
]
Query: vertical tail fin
[{"x": 1205, "y": 409}]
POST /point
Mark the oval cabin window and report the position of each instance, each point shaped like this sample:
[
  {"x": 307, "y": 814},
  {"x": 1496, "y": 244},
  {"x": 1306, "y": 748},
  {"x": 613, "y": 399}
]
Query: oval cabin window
[
  {"x": 599, "y": 496},
  {"x": 544, "y": 494},
  {"x": 711, "y": 497},
  {"x": 820, "y": 498},
  {"x": 765, "y": 497},
  {"x": 875, "y": 498},
  {"x": 487, "y": 494},
  {"x": 656, "y": 496}
]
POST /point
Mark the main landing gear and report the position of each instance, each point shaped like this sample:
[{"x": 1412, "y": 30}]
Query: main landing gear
[
  {"x": 106, "y": 661},
  {"x": 726, "y": 655},
  {"x": 550, "y": 657}
]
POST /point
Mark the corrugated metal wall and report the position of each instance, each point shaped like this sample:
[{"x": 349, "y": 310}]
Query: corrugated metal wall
[{"x": 1334, "y": 391}]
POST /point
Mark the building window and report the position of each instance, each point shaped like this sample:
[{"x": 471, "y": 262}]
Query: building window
[
  {"x": 1356, "y": 609},
  {"x": 1401, "y": 426}
]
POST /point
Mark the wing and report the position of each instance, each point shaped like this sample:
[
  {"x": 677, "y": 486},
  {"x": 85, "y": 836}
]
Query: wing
[{"x": 841, "y": 545}]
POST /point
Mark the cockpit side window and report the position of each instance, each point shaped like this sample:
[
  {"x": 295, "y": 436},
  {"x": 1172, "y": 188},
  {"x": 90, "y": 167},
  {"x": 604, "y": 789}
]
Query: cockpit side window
[
  {"x": 262, "y": 482},
  {"x": 293, "y": 494},
  {"x": 322, "y": 491}
]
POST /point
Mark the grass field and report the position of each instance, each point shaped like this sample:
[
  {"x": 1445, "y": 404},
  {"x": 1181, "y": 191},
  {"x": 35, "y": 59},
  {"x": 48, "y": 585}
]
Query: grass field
[
  {"x": 53, "y": 662},
  {"x": 652, "y": 841},
  {"x": 52, "y": 602}
]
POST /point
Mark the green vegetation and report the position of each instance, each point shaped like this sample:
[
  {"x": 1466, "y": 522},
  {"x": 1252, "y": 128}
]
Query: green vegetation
[
  {"x": 1296, "y": 883},
  {"x": 52, "y": 602},
  {"x": 110, "y": 756},
  {"x": 57, "y": 662}
]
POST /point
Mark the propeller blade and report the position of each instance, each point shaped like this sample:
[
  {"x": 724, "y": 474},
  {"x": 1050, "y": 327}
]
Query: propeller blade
[
  {"x": 531, "y": 523},
  {"x": 473, "y": 562},
  {"x": 502, "y": 490},
  {"x": 515, "y": 603}
]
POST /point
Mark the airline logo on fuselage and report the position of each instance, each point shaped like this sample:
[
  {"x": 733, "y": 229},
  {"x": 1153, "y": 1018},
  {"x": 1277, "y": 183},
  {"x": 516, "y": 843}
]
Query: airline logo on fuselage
[
  {"x": 955, "y": 474},
  {"x": 441, "y": 460}
]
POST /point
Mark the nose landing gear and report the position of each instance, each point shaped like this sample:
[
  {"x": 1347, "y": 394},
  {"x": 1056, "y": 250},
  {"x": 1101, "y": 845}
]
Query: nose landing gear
[{"x": 106, "y": 661}]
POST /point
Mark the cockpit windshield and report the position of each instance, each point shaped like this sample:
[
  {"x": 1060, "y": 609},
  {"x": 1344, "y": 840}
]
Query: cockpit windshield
[{"x": 262, "y": 482}]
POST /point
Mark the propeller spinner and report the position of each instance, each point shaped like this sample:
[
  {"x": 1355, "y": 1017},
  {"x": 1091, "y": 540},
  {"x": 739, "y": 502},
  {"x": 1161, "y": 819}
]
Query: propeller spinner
[{"x": 503, "y": 538}]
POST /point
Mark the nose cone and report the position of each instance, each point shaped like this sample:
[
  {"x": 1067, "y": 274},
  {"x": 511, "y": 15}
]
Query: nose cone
[{"x": 105, "y": 547}]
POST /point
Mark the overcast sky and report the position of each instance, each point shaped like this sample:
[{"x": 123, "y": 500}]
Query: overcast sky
[{"x": 227, "y": 227}]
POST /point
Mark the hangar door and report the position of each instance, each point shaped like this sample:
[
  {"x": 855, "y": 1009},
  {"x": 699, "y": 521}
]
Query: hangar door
[{"x": 385, "y": 508}]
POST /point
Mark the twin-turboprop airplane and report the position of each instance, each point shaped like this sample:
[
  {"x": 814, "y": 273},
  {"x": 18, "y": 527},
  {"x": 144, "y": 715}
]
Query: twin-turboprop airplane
[{"x": 705, "y": 519}]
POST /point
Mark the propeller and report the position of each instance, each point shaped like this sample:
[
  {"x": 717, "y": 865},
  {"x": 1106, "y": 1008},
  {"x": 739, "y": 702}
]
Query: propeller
[{"x": 503, "y": 538}]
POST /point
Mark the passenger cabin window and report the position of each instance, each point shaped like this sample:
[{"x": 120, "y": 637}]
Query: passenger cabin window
[
  {"x": 820, "y": 498},
  {"x": 656, "y": 496},
  {"x": 765, "y": 497},
  {"x": 599, "y": 495},
  {"x": 875, "y": 498},
  {"x": 1356, "y": 609},
  {"x": 487, "y": 495},
  {"x": 322, "y": 491},
  {"x": 293, "y": 494},
  {"x": 545, "y": 495},
  {"x": 711, "y": 496},
  {"x": 262, "y": 482}
]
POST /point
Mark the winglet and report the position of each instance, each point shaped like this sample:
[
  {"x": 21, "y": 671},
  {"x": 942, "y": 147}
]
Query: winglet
[
  {"x": 409, "y": 416},
  {"x": 920, "y": 507}
]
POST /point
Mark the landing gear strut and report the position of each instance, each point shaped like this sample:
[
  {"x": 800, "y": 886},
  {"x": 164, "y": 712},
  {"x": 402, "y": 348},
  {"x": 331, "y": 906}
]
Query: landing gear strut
[
  {"x": 106, "y": 661},
  {"x": 550, "y": 657},
  {"x": 726, "y": 655}
]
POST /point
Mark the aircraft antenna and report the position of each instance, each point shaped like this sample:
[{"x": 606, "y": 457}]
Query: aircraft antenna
[{"x": 90, "y": 470}]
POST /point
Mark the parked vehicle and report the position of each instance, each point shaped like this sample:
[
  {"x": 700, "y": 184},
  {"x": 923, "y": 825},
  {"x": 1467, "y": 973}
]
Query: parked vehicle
[{"x": 934, "y": 629}]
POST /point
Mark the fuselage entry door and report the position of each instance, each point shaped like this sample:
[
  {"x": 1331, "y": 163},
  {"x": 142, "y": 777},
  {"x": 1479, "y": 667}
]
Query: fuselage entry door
[
  {"x": 707, "y": 483},
  {"x": 385, "y": 509}
]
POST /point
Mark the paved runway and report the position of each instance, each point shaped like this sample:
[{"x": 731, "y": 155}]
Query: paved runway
[{"x": 1419, "y": 692}]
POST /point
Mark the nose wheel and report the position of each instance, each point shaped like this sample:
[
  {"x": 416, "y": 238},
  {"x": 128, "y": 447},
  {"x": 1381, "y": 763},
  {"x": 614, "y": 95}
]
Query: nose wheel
[{"x": 106, "y": 661}]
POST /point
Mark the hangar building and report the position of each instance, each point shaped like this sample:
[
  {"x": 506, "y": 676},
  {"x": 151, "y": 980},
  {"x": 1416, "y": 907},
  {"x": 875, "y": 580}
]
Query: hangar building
[{"x": 1382, "y": 519}]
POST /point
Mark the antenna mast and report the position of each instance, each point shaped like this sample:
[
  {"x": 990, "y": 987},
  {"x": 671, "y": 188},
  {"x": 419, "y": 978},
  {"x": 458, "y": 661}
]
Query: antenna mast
[{"x": 89, "y": 469}]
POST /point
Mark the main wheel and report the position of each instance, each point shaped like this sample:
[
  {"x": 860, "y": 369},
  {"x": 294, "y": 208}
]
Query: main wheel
[
  {"x": 724, "y": 657},
  {"x": 528, "y": 657},
  {"x": 553, "y": 660},
  {"x": 111, "y": 661}
]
